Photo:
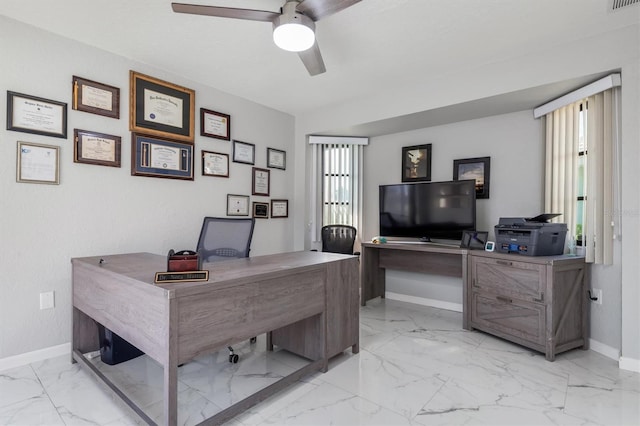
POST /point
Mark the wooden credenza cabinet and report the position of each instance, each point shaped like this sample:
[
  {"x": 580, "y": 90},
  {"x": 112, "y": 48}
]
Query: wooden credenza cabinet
[{"x": 538, "y": 302}]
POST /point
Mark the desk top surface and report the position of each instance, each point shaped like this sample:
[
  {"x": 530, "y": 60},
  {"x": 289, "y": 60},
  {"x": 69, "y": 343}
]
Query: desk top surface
[{"x": 417, "y": 246}]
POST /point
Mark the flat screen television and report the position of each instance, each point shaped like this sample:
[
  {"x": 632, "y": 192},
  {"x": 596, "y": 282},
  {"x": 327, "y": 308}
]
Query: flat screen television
[{"x": 431, "y": 210}]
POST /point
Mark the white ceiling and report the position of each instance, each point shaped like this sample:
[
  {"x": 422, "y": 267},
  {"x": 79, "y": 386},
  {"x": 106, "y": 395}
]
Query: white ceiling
[{"x": 372, "y": 43}]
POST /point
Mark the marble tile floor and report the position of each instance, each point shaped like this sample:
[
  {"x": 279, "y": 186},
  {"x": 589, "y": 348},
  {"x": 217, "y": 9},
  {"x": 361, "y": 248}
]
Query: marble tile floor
[{"x": 416, "y": 366}]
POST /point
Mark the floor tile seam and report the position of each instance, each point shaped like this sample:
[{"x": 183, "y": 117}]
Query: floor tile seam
[{"x": 47, "y": 394}]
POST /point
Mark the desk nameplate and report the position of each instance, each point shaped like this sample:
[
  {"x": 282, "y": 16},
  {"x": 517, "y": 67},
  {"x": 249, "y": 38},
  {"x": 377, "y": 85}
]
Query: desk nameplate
[{"x": 179, "y": 277}]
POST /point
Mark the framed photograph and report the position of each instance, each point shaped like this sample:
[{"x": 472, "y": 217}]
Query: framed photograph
[
  {"x": 416, "y": 163},
  {"x": 215, "y": 124},
  {"x": 237, "y": 205},
  {"x": 39, "y": 116},
  {"x": 244, "y": 152},
  {"x": 159, "y": 108},
  {"x": 155, "y": 157},
  {"x": 474, "y": 240},
  {"x": 215, "y": 164},
  {"x": 279, "y": 208},
  {"x": 96, "y": 98},
  {"x": 260, "y": 210},
  {"x": 260, "y": 181},
  {"x": 37, "y": 163},
  {"x": 276, "y": 159},
  {"x": 96, "y": 148},
  {"x": 474, "y": 168}
]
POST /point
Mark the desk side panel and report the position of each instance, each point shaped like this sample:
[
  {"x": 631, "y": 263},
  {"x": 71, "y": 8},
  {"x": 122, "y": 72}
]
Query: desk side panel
[
  {"x": 134, "y": 310},
  {"x": 343, "y": 308}
]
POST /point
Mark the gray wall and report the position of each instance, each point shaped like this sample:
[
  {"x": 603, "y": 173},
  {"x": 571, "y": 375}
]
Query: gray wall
[{"x": 101, "y": 210}]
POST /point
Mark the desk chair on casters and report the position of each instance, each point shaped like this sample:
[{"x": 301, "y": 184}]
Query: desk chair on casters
[
  {"x": 338, "y": 239},
  {"x": 223, "y": 238}
]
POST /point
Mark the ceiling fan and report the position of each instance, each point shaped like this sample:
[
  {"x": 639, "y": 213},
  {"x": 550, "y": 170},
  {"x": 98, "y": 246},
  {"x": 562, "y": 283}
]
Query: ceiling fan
[{"x": 293, "y": 27}]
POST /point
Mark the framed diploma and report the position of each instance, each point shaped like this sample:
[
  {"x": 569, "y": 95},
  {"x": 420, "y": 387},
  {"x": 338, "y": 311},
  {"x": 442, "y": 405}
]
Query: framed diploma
[
  {"x": 215, "y": 124},
  {"x": 237, "y": 205},
  {"x": 38, "y": 163},
  {"x": 39, "y": 116},
  {"x": 96, "y": 98},
  {"x": 244, "y": 152},
  {"x": 215, "y": 164},
  {"x": 260, "y": 210},
  {"x": 96, "y": 148},
  {"x": 276, "y": 159},
  {"x": 159, "y": 108},
  {"x": 279, "y": 208},
  {"x": 260, "y": 182},
  {"x": 163, "y": 158}
]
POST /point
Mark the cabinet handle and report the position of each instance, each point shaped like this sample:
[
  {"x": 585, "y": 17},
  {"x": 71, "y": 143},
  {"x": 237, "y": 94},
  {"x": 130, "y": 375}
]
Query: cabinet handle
[
  {"x": 503, "y": 299},
  {"x": 504, "y": 262},
  {"x": 540, "y": 299}
]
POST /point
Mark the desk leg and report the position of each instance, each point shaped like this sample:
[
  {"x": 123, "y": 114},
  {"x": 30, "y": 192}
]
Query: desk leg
[
  {"x": 372, "y": 277},
  {"x": 84, "y": 334},
  {"x": 171, "y": 367}
]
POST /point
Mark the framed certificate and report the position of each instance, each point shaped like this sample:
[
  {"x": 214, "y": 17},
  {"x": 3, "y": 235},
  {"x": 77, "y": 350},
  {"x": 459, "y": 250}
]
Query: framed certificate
[
  {"x": 96, "y": 148},
  {"x": 96, "y": 98},
  {"x": 39, "y": 116},
  {"x": 276, "y": 159},
  {"x": 215, "y": 124},
  {"x": 237, "y": 205},
  {"x": 159, "y": 108},
  {"x": 279, "y": 208},
  {"x": 244, "y": 152},
  {"x": 38, "y": 163},
  {"x": 215, "y": 164},
  {"x": 163, "y": 158},
  {"x": 260, "y": 210},
  {"x": 260, "y": 181}
]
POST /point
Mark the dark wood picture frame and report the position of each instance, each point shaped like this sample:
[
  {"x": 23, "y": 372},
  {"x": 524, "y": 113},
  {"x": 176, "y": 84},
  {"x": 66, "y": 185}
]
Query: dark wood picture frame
[
  {"x": 39, "y": 116},
  {"x": 260, "y": 210},
  {"x": 95, "y": 98},
  {"x": 215, "y": 124},
  {"x": 478, "y": 169},
  {"x": 96, "y": 148},
  {"x": 151, "y": 103},
  {"x": 260, "y": 181},
  {"x": 244, "y": 152},
  {"x": 162, "y": 158},
  {"x": 215, "y": 164},
  {"x": 276, "y": 159},
  {"x": 416, "y": 163},
  {"x": 279, "y": 208}
]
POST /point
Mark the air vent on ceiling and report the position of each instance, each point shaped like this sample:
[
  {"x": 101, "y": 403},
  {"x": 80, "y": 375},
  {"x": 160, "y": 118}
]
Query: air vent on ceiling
[{"x": 617, "y": 4}]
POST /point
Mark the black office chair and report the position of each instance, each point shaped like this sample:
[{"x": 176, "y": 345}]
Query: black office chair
[
  {"x": 224, "y": 238},
  {"x": 338, "y": 239}
]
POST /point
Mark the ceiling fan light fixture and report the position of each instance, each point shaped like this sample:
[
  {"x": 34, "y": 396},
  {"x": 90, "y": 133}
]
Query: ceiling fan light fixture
[{"x": 293, "y": 32}]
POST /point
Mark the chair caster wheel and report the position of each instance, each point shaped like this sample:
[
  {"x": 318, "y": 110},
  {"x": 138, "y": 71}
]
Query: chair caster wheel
[
  {"x": 253, "y": 340},
  {"x": 233, "y": 358}
]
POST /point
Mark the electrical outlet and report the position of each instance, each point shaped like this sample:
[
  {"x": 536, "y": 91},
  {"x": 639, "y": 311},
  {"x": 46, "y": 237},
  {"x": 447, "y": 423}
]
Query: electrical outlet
[
  {"x": 597, "y": 293},
  {"x": 47, "y": 300}
]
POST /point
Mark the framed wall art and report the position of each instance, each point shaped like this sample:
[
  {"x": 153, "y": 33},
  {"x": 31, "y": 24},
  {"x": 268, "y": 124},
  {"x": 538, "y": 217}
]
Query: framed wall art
[
  {"x": 30, "y": 114},
  {"x": 244, "y": 152},
  {"x": 260, "y": 210},
  {"x": 478, "y": 169},
  {"x": 155, "y": 157},
  {"x": 237, "y": 205},
  {"x": 96, "y": 148},
  {"x": 160, "y": 108},
  {"x": 37, "y": 163},
  {"x": 260, "y": 181},
  {"x": 215, "y": 124},
  {"x": 215, "y": 164},
  {"x": 276, "y": 159},
  {"x": 96, "y": 98},
  {"x": 416, "y": 163},
  {"x": 279, "y": 208}
]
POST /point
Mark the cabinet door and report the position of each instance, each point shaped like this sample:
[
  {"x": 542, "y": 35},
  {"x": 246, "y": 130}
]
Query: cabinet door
[
  {"x": 519, "y": 319},
  {"x": 521, "y": 280}
]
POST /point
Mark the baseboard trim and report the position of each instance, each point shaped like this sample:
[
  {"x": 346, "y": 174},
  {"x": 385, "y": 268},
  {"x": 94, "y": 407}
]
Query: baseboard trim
[
  {"x": 35, "y": 356},
  {"x": 630, "y": 364},
  {"x": 449, "y": 306}
]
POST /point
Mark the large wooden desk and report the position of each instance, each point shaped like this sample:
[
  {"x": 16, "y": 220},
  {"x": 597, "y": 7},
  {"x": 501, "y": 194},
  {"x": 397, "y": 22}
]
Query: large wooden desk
[
  {"x": 424, "y": 258},
  {"x": 308, "y": 300}
]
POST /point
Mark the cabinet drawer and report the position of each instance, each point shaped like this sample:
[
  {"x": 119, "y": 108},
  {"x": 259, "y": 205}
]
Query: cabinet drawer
[
  {"x": 525, "y": 281},
  {"x": 520, "y": 319}
]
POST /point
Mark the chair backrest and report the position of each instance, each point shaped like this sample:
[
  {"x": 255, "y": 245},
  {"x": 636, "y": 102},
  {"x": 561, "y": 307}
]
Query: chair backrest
[
  {"x": 222, "y": 238},
  {"x": 338, "y": 238}
]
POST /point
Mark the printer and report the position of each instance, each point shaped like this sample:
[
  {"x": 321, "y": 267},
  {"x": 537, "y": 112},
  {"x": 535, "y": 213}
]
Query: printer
[{"x": 531, "y": 237}]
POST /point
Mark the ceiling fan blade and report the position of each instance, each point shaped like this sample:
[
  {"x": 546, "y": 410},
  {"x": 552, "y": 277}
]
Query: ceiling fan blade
[
  {"x": 225, "y": 12},
  {"x": 317, "y": 9},
  {"x": 312, "y": 60}
]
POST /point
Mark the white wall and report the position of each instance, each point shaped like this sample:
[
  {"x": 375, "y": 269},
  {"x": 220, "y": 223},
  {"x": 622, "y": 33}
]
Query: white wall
[{"x": 101, "y": 210}]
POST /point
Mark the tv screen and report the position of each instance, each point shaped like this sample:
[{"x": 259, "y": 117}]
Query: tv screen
[{"x": 432, "y": 210}]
